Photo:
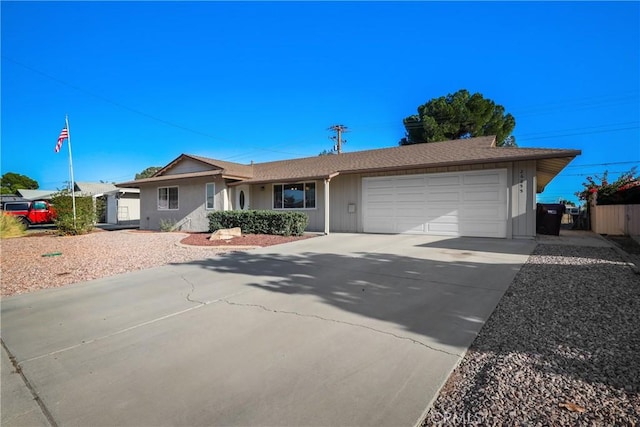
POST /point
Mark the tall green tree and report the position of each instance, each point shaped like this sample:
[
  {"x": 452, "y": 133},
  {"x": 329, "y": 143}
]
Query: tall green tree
[
  {"x": 10, "y": 182},
  {"x": 148, "y": 172},
  {"x": 459, "y": 115}
]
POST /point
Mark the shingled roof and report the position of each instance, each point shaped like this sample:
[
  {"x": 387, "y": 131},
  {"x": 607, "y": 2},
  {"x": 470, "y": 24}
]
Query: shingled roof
[{"x": 435, "y": 154}]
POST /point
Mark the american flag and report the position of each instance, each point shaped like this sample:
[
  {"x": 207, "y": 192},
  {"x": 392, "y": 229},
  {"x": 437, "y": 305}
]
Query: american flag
[{"x": 64, "y": 134}]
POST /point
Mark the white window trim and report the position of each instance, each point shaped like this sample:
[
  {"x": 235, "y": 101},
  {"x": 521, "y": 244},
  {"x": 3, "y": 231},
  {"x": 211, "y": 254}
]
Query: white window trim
[
  {"x": 158, "y": 198},
  {"x": 304, "y": 192},
  {"x": 206, "y": 197}
]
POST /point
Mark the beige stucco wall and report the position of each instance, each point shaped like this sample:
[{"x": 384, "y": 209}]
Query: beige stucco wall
[{"x": 191, "y": 214}]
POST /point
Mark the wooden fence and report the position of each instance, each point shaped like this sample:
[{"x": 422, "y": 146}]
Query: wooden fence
[{"x": 617, "y": 220}]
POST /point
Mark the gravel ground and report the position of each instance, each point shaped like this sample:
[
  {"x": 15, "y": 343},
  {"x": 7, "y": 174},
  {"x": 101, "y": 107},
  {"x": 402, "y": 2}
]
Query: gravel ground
[
  {"x": 44, "y": 260},
  {"x": 86, "y": 257},
  {"x": 562, "y": 348}
]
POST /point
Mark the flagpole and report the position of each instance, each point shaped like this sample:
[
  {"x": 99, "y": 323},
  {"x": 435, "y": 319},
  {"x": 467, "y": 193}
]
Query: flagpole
[{"x": 73, "y": 184}]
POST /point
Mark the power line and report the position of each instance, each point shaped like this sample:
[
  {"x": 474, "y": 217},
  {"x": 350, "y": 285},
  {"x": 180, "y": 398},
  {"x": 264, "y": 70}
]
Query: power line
[
  {"x": 604, "y": 164},
  {"x": 590, "y": 174},
  {"x": 579, "y": 133},
  {"x": 580, "y": 128},
  {"x": 136, "y": 111},
  {"x": 569, "y": 103}
]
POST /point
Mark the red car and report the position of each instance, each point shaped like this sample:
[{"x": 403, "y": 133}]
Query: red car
[{"x": 36, "y": 212}]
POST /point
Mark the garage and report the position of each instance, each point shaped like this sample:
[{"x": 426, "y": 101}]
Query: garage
[{"x": 470, "y": 203}]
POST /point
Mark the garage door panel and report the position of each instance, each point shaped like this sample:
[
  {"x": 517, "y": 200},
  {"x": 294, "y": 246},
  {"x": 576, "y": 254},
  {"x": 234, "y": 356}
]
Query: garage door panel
[
  {"x": 410, "y": 226},
  {"x": 445, "y": 229},
  {"x": 470, "y": 213},
  {"x": 411, "y": 212},
  {"x": 482, "y": 196},
  {"x": 381, "y": 198},
  {"x": 435, "y": 212},
  {"x": 439, "y": 180},
  {"x": 410, "y": 181},
  {"x": 438, "y": 197},
  {"x": 483, "y": 229},
  {"x": 453, "y": 219},
  {"x": 481, "y": 178},
  {"x": 409, "y": 197},
  {"x": 386, "y": 213},
  {"x": 453, "y": 204}
]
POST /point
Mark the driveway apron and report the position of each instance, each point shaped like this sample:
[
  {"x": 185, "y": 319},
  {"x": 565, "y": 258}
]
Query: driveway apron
[{"x": 345, "y": 329}]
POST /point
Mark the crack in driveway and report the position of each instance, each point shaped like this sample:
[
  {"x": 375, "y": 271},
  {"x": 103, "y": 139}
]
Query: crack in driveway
[
  {"x": 193, "y": 290},
  {"x": 314, "y": 316},
  {"x": 326, "y": 319}
]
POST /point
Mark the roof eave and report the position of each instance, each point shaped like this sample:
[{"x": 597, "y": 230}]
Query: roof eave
[
  {"x": 137, "y": 183},
  {"x": 284, "y": 180}
]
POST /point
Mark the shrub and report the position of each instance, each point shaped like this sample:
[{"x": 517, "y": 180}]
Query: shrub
[
  {"x": 85, "y": 214},
  {"x": 167, "y": 225},
  {"x": 11, "y": 226},
  {"x": 260, "y": 222},
  {"x": 609, "y": 193}
]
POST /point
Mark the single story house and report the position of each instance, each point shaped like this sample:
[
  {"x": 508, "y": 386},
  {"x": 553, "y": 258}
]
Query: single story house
[{"x": 466, "y": 187}]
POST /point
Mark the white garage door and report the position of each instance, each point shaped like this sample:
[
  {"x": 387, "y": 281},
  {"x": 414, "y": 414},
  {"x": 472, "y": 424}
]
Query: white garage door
[{"x": 450, "y": 204}]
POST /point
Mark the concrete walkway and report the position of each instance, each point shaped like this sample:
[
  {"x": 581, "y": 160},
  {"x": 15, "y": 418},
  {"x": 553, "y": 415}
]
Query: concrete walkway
[{"x": 346, "y": 329}]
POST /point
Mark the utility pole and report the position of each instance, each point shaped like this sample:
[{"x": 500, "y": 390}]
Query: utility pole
[{"x": 339, "y": 129}]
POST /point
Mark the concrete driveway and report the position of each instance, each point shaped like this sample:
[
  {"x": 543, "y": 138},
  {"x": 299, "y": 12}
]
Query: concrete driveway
[{"x": 346, "y": 329}]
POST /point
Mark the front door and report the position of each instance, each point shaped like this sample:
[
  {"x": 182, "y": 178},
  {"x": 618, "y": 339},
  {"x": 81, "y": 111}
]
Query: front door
[{"x": 242, "y": 198}]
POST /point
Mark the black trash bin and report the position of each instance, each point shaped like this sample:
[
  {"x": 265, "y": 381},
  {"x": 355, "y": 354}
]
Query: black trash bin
[{"x": 549, "y": 218}]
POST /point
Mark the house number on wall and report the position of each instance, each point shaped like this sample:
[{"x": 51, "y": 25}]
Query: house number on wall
[{"x": 521, "y": 183}]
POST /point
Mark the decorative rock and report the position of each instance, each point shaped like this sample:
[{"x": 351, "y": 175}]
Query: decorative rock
[{"x": 226, "y": 233}]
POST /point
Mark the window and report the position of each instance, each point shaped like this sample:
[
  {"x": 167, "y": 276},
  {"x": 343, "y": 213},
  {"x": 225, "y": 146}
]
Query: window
[
  {"x": 19, "y": 206},
  {"x": 301, "y": 195},
  {"x": 210, "y": 192},
  {"x": 167, "y": 198},
  {"x": 39, "y": 205}
]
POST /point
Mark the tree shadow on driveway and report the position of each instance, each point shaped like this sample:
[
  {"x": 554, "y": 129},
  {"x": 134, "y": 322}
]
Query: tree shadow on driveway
[{"x": 443, "y": 303}]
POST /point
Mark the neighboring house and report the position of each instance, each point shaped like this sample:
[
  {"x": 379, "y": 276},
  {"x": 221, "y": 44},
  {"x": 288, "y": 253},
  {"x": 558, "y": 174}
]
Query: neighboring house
[
  {"x": 36, "y": 194},
  {"x": 93, "y": 189},
  {"x": 122, "y": 204},
  {"x": 464, "y": 187}
]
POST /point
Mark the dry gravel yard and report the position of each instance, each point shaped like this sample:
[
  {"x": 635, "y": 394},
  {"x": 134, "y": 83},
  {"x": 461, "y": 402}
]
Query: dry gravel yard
[
  {"x": 561, "y": 349},
  {"x": 100, "y": 254}
]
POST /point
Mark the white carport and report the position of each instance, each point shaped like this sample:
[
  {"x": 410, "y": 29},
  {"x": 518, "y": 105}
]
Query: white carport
[{"x": 123, "y": 205}]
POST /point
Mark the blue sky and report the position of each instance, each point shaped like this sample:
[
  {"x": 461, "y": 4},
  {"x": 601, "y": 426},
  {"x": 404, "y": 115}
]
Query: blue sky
[{"x": 144, "y": 82}]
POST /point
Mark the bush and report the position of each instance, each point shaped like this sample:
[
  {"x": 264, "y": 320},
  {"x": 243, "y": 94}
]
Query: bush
[
  {"x": 85, "y": 214},
  {"x": 11, "y": 226},
  {"x": 260, "y": 222},
  {"x": 167, "y": 225}
]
